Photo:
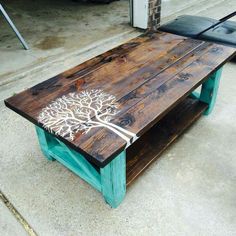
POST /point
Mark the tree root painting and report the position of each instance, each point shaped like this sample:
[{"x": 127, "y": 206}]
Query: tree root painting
[{"x": 82, "y": 111}]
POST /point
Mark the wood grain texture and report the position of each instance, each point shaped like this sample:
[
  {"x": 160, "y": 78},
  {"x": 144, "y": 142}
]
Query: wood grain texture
[
  {"x": 148, "y": 75},
  {"x": 149, "y": 147}
]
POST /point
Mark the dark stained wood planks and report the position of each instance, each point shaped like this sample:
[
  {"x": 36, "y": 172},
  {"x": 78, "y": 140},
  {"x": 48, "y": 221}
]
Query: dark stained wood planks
[
  {"x": 149, "y": 147},
  {"x": 150, "y": 108},
  {"x": 94, "y": 72},
  {"x": 117, "y": 75},
  {"x": 148, "y": 75}
]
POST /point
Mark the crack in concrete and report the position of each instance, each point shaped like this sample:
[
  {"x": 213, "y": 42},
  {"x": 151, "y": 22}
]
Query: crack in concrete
[{"x": 17, "y": 215}]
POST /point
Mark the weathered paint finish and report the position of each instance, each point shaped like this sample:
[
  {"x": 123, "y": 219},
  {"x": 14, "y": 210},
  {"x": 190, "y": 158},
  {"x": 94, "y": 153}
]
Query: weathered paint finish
[
  {"x": 113, "y": 180},
  {"x": 210, "y": 89},
  {"x": 53, "y": 149},
  {"x": 43, "y": 142}
]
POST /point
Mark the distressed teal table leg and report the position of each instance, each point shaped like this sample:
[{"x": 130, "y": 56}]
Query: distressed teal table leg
[
  {"x": 113, "y": 180},
  {"x": 43, "y": 142},
  {"x": 210, "y": 89},
  {"x": 54, "y": 149}
]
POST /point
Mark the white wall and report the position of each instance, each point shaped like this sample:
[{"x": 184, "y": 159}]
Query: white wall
[{"x": 140, "y": 13}]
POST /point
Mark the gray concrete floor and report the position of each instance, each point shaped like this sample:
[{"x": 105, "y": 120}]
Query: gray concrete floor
[
  {"x": 8, "y": 223},
  {"x": 55, "y": 29},
  {"x": 190, "y": 190},
  {"x": 209, "y": 8}
]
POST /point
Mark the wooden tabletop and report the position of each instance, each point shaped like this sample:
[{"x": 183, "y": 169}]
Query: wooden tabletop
[{"x": 103, "y": 105}]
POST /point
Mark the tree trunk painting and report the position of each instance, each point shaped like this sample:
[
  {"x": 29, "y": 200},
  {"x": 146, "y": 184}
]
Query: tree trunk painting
[{"x": 82, "y": 111}]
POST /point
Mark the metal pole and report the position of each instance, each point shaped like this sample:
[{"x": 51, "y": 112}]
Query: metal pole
[{"x": 13, "y": 27}]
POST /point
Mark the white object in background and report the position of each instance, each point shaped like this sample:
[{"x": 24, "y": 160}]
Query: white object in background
[{"x": 140, "y": 13}]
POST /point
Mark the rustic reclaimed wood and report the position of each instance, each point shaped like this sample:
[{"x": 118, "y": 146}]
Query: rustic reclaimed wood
[
  {"x": 149, "y": 76},
  {"x": 149, "y": 147}
]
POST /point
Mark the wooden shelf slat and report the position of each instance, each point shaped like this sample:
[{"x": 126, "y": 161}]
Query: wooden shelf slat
[{"x": 149, "y": 147}]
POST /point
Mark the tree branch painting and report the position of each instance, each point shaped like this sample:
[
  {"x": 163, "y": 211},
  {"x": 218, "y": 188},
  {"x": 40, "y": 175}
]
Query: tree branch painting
[{"x": 82, "y": 111}]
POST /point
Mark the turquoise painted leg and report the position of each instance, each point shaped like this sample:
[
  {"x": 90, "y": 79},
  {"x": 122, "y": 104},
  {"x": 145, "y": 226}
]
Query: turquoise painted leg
[
  {"x": 54, "y": 149},
  {"x": 210, "y": 89},
  {"x": 43, "y": 142},
  {"x": 113, "y": 180},
  {"x": 194, "y": 95}
]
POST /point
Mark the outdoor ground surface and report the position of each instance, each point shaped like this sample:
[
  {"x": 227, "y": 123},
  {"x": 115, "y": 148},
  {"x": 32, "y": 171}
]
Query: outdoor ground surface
[
  {"x": 55, "y": 29},
  {"x": 190, "y": 190}
]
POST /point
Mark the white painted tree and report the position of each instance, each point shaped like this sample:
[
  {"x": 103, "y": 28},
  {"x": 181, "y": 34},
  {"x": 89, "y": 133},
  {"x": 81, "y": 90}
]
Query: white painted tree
[{"x": 82, "y": 111}]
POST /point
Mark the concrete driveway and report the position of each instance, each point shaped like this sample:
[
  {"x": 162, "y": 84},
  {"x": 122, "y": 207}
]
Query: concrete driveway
[{"x": 56, "y": 30}]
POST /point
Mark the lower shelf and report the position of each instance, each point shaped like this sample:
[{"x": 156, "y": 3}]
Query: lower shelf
[{"x": 149, "y": 147}]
